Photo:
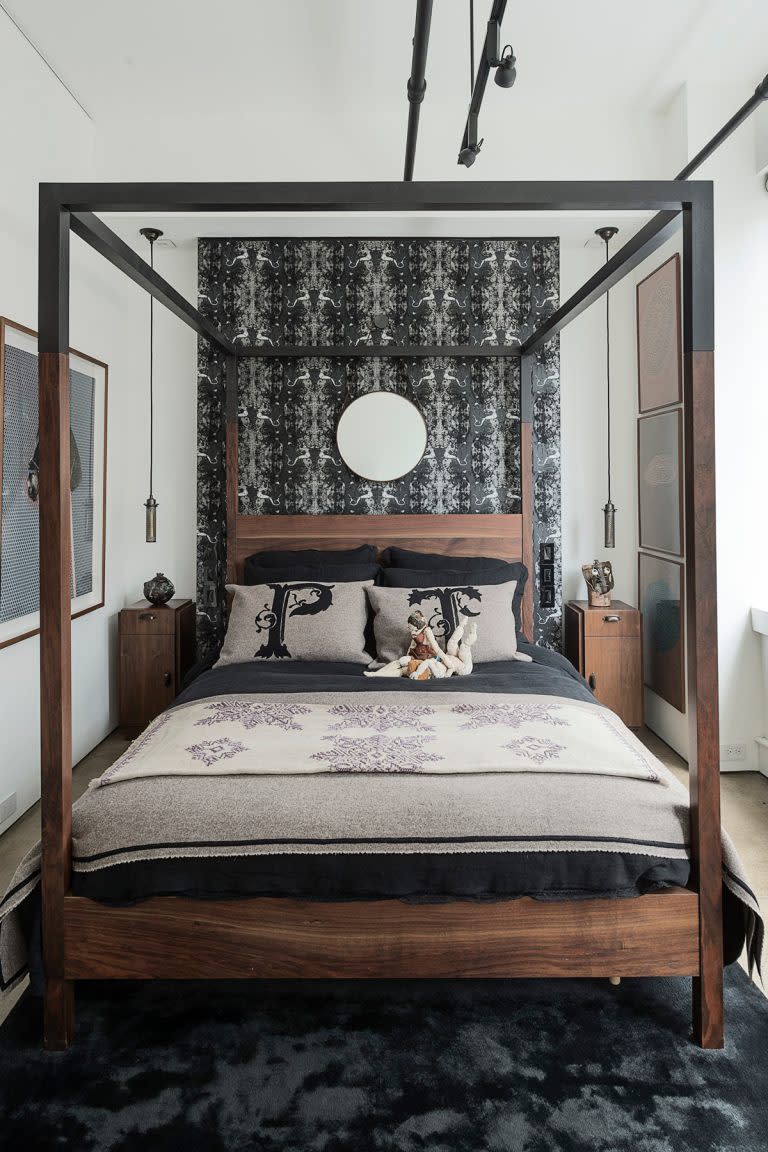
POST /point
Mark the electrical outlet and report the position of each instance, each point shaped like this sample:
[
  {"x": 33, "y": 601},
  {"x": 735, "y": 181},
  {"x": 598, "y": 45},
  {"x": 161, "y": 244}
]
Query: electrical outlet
[
  {"x": 7, "y": 808},
  {"x": 733, "y": 752}
]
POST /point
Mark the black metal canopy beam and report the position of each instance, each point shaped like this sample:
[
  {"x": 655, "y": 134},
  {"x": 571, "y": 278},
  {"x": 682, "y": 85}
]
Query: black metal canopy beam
[
  {"x": 381, "y": 196},
  {"x": 417, "y": 85},
  {"x": 369, "y": 351},
  {"x": 109, "y": 245},
  {"x": 650, "y": 237}
]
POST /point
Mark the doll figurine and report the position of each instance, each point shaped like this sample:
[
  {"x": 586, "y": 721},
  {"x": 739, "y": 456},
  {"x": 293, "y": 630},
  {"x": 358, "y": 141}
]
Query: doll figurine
[{"x": 425, "y": 660}]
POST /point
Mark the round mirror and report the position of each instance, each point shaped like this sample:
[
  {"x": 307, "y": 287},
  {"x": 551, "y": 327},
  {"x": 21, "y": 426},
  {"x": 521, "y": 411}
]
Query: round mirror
[{"x": 381, "y": 436}]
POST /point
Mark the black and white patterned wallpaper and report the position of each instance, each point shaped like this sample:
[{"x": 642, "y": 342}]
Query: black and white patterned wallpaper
[{"x": 327, "y": 292}]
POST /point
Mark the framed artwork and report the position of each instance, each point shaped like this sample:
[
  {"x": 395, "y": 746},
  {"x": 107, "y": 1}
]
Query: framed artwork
[
  {"x": 661, "y": 593},
  {"x": 659, "y": 481},
  {"x": 659, "y": 347},
  {"x": 22, "y": 479}
]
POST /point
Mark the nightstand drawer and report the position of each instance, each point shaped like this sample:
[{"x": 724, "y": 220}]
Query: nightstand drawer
[
  {"x": 607, "y": 622},
  {"x": 151, "y": 621}
]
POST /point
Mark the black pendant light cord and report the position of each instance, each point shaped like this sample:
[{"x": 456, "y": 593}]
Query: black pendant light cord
[
  {"x": 151, "y": 373},
  {"x": 608, "y": 369},
  {"x": 471, "y": 47}
]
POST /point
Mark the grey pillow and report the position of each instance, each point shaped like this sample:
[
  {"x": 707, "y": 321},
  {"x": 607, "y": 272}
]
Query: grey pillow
[
  {"x": 296, "y": 620},
  {"x": 444, "y": 607}
]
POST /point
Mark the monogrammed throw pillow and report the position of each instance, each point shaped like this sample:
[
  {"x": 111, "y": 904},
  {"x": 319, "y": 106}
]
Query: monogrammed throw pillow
[
  {"x": 444, "y": 607},
  {"x": 297, "y": 620}
]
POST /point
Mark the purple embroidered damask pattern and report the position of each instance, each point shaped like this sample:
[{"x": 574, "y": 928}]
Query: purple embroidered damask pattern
[
  {"x": 212, "y": 751},
  {"x": 382, "y": 717},
  {"x": 252, "y": 714},
  {"x": 509, "y": 715},
  {"x": 535, "y": 748},
  {"x": 377, "y": 753}
]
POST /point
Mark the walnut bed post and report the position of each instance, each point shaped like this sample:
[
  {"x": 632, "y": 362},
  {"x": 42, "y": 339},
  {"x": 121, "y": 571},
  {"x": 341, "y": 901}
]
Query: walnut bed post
[
  {"x": 55, "y": 615},
  {"x": 526, "y": 489},
  {"x": 701, "y": 611},
  {"x": 230, "y": 462}
]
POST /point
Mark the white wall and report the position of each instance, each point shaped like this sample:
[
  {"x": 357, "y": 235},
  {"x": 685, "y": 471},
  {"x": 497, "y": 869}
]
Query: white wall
[
  {"x": 741, "y": 412},
  {"x": 48, "y": 137},
  {"x": 741, "y": 343}
]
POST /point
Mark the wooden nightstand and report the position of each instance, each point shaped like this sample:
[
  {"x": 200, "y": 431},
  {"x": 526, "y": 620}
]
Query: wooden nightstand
[
  {"x": 605, "y": 645},
  {"x": 157, "y": 648}
]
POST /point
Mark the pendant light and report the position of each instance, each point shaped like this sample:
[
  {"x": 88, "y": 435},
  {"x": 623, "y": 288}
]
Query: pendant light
[
  {"x": 151, "y": 234},
  {"x": 609, "y": 509}
]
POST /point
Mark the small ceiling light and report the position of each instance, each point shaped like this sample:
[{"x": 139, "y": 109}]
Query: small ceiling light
[
  {"x": 506, "y": 72},
  {"x": 151, "y": 234},
  {"x": 469, "y": 152},
  {"x": 609, "y": 510}
]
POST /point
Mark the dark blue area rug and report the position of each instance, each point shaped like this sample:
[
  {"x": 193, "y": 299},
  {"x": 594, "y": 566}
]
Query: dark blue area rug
[{"x": 524, "y": 1066}]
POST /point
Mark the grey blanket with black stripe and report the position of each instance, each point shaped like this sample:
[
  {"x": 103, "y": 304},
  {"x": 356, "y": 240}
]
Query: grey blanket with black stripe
[{"x": 338, "y": 815}]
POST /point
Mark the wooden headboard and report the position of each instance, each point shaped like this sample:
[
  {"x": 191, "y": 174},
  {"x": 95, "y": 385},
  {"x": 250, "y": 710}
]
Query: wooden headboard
[
  {"x": 474, "y": 534},
  {"x": 508, "y": 536}
]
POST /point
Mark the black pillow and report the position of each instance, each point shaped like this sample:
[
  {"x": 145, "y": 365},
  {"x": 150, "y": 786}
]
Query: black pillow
[
  {"x": 254, "y": 573},
  {"x": 365, "y": 554},
  {"x": 447, "y": 577},
  {"x": 403, "y": 558}
]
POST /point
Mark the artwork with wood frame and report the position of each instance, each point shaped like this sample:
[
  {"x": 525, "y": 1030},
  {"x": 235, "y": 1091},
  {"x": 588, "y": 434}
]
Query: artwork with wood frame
[
  {"x": 661, "y": 596},
  {"x": 659, "y": 350},
  {"x": 659, "y": 481},
  {"x": 23, "y": 475}
]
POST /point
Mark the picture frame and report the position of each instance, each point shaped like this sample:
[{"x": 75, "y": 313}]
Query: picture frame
[
  {"x": 19, "y": 511},
  {"x": 659, "y": 338},
  {"x": 661, "y": 598},
  {"x": 660, "y": 482}
]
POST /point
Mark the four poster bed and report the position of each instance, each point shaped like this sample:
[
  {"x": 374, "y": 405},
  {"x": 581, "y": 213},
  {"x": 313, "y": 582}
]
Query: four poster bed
[{"x": 675, "y": 930}]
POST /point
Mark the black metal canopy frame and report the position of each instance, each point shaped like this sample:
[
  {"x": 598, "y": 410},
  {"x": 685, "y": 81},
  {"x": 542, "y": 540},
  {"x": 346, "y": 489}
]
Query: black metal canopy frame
[{"x": 66, "y": 208}]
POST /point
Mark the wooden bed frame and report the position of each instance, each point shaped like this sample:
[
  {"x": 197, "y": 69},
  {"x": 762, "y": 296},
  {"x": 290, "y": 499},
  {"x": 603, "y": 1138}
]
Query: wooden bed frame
[{"x": 678, "y": 932}]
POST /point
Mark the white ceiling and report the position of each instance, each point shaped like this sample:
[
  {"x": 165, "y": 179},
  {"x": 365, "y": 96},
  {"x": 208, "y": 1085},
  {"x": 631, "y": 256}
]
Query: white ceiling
[{"x": 195, "y": 57}]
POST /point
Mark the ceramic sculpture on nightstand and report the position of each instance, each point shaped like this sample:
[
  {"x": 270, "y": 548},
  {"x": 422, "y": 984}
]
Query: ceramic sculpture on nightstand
[
  {"x": 599, "y": 578},
  {"x": 159, "y": 589}
]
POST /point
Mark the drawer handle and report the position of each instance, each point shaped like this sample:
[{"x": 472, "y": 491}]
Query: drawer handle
[
  {"x": 147, "y": 616},
  {"x": 592, "y": 681},
  {"x": 167, "y": 679},
  {"x": 611, "y": 619}
]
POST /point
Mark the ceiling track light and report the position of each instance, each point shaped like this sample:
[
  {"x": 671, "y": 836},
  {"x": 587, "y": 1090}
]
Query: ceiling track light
[{"x": 493, "y": 56}]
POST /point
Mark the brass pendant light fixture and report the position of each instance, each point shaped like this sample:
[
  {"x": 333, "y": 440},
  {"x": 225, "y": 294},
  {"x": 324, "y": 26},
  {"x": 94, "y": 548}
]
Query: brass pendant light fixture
[
  {"x": 151, "y": 234},
  {"x": 609, "y": 509}
]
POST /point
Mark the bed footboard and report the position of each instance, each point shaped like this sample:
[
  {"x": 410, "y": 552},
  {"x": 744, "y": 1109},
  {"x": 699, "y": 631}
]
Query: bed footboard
[{"x": 176, "y": 938}]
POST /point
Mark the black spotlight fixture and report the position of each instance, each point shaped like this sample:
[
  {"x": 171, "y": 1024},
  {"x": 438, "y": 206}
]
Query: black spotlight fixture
[
  {"x": 492, "y": 56},
  {"x": 472, "y": 147},
  {"x": 506, "y": 72}
]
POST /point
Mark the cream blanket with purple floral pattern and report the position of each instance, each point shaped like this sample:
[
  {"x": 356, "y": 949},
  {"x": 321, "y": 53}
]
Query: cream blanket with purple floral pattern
[{"x": 349, "y": 732}]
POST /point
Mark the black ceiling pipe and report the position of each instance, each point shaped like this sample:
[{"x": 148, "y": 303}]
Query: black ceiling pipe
[
  {"x": 470, "y": 145},
  {"x": 417, "y": 85},
  {"x": 759, "y": 95}
]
